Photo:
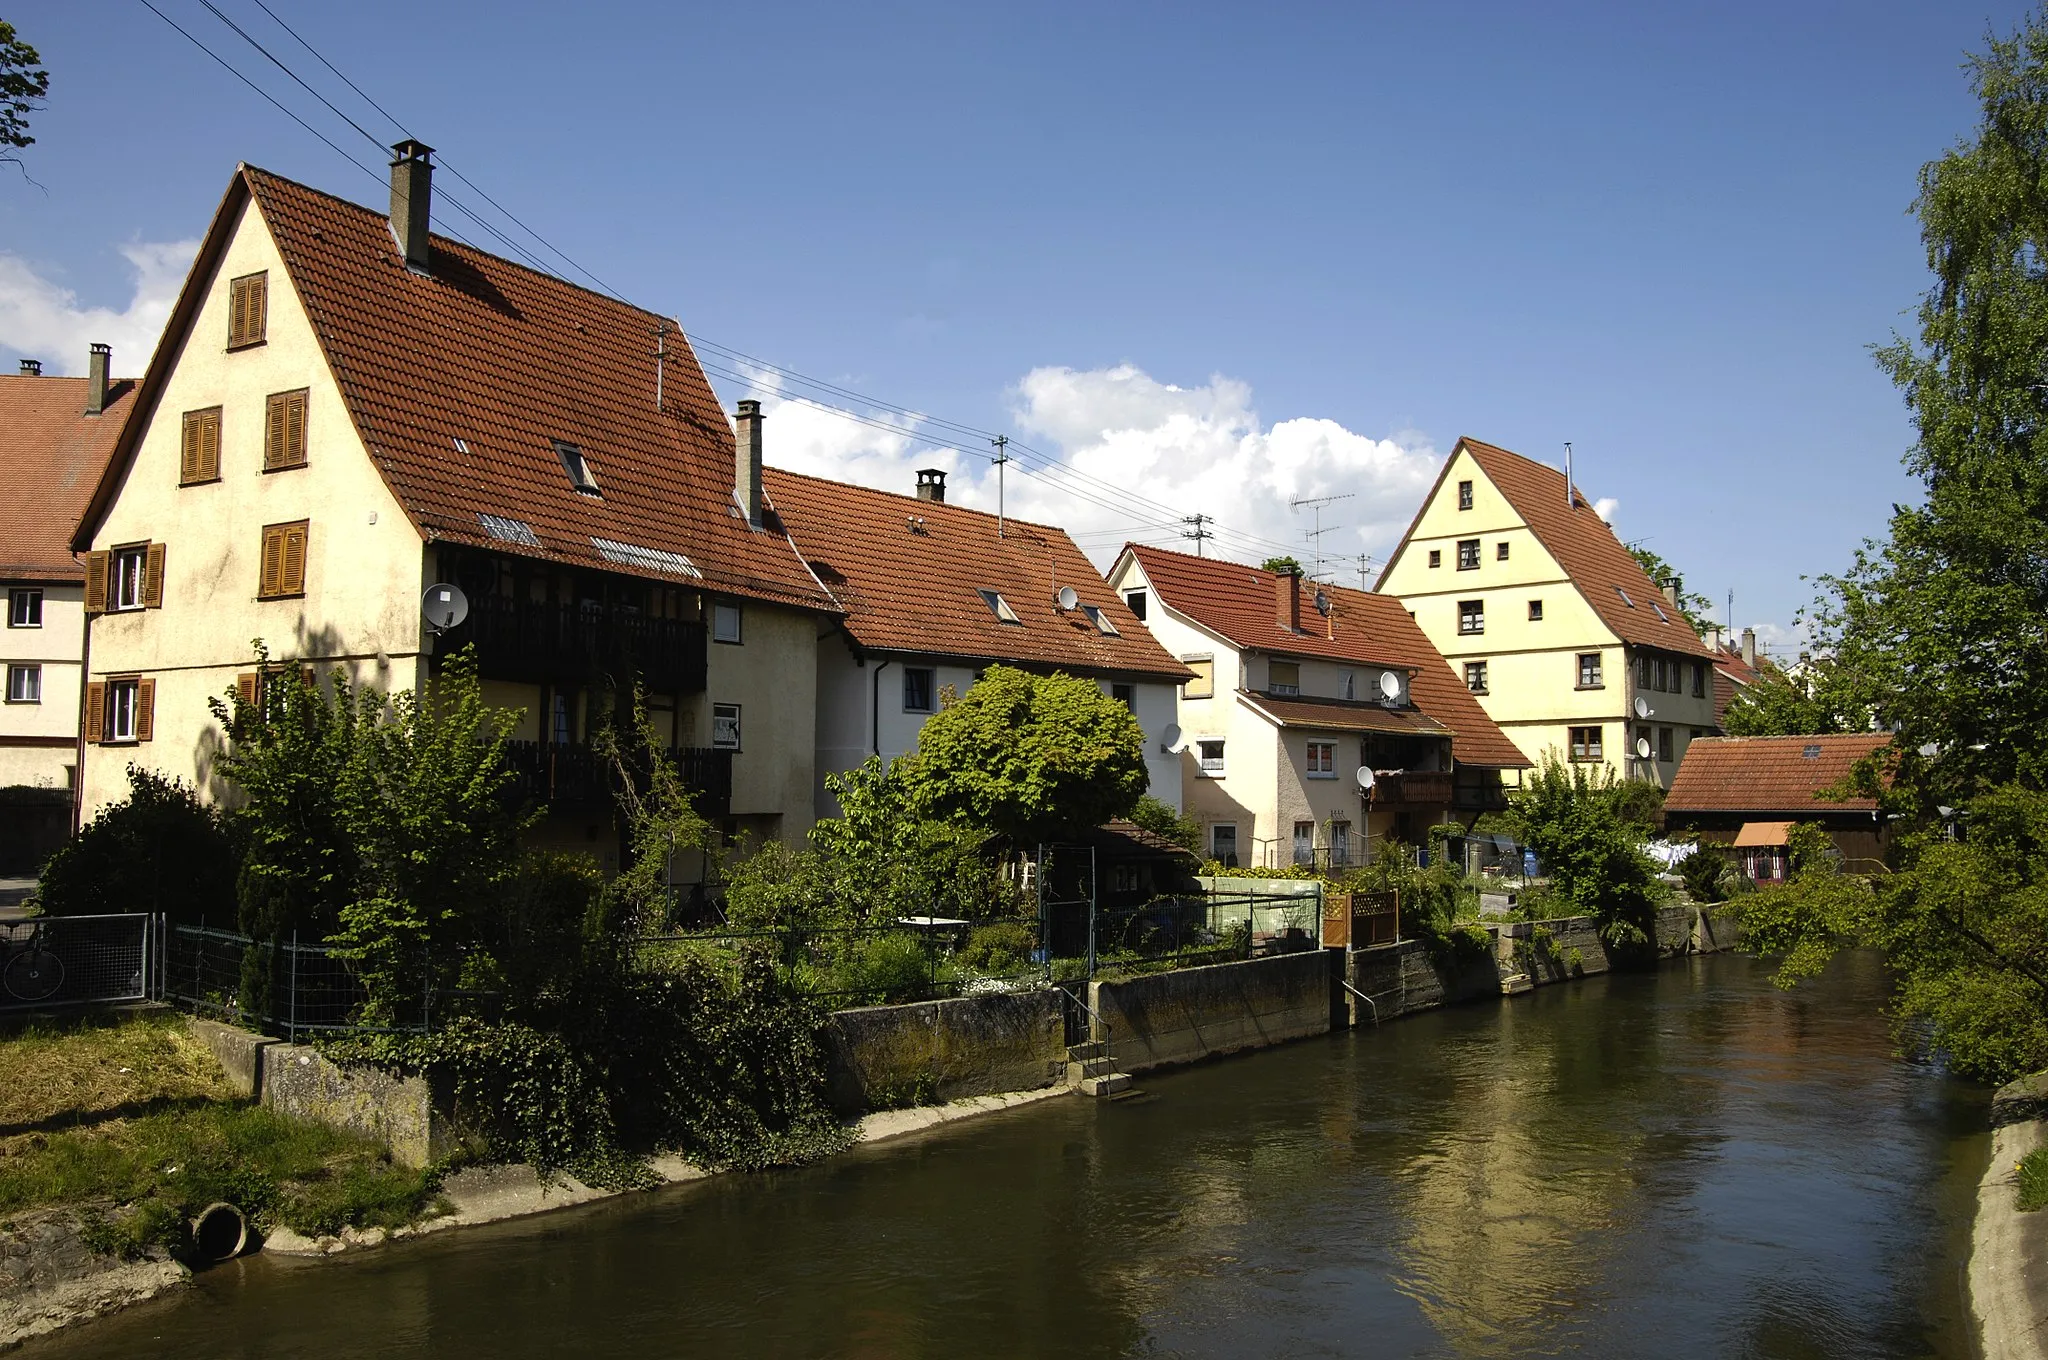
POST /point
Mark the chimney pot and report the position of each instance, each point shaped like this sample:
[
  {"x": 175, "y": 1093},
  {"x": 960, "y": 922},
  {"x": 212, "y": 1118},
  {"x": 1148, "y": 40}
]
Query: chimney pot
[
  {"x": 98, "y": 359},
  {"x": 747, "y": 460},
  {"x": 1671, "y": 587},
  {"x": 1749, "y": 648},
  {"x": 412, "y": 196},
  {"x": 1287, "y": 600},
  {"x": 31, "y": 368},
  {"x": 931, "y": 485}
]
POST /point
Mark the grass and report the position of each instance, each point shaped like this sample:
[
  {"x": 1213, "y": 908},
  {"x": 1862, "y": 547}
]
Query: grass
[
  {"x": 2033, "y": 1178},
  {"x": 136, "y": 1113}
]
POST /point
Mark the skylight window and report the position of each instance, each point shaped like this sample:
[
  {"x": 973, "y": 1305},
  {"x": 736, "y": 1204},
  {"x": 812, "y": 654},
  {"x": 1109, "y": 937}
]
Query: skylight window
[
  {"x": 648, "y": 559},
  {"x": 1624, "y": 597},
  {"x": 999, "y": 606},
  {"x": 578, "y": 468},
  {"x": 1810, "y": 753},
  {"x": 1100, "y": 620},
  {"x": 1660, "y": 611},
  {"x": 509, "y": 530}
]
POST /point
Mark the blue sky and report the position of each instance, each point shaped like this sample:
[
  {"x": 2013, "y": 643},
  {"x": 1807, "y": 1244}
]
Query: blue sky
[{"x": 1215, "y": 256}]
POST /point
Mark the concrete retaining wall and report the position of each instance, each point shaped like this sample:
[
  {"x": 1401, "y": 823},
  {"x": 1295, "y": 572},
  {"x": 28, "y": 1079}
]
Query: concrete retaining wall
[
  {"x": 398, "y": 1111},
  {"x": 1196, "y": 1013},
  {"x": 1553, "y": 951},
  {"x": 884, "y": 1056}
]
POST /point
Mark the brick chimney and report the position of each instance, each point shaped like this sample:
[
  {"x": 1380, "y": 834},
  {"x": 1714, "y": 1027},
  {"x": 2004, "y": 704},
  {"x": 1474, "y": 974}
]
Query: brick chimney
[
  {"x": 1749, "y": 648},
  {"x": 412, "y": 197},
  {"x": 931, "y": 485},
  {"x": 746, "y": 460},
  {"x": 1671, "y": 587},
  {"x": 98, "y": 359},
  {"x": 1287, "y": 600},
  {"x": 31, "y": 368}
]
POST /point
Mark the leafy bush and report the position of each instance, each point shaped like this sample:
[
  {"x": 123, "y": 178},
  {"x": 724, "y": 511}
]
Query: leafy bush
[
  {"x": 1702, "y": 870},
  {"x": 997, "y": 950},
  {"x": 1159, "y": 818},
  {"x": 882, "y": 969},
  {"x": 1585, "y": 830},
  {"x": 159, "y": 849}
]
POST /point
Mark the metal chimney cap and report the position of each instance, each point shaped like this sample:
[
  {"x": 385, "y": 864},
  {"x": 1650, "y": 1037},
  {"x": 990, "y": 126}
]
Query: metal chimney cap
[{"x": 410, "y": 150}]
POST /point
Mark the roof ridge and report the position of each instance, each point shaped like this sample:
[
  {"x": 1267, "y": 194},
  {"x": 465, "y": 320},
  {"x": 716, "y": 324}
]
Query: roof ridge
[{"x": 944, "y": 506}]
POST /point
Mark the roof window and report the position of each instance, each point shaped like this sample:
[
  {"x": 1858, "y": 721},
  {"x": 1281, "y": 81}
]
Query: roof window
[
  {"x": 648, "y": 559},
  {"x": 509, "y": 530},
  {"x": 999, "y": 606},
  {"x": 1660, "y": 611},
  {"x": 578, "y": 468},
  {"x": 1100, "y": 620},
  {"x": 1624, "y": 597},
  {"x": 1810, "y": 753}
]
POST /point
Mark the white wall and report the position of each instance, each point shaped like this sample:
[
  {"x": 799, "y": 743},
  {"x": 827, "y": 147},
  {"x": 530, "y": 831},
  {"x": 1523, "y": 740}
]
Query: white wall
[{"x": 38, "y": 741}]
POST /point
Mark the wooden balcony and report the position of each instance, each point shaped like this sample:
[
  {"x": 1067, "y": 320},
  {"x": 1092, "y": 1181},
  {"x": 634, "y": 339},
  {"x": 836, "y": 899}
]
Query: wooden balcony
[
  {"x": 580, "y": 643},
  {"x": 571, "y": 775},
  {"x": 1412, "y": 788},
  {"x": 1479, "y": 794}
]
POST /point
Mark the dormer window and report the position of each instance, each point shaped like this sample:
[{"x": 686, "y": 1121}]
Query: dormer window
[
  {"x": 1100, "y": 620},
  {"x": 999, "y": 606},
  {"x": 578, "y": 468}
]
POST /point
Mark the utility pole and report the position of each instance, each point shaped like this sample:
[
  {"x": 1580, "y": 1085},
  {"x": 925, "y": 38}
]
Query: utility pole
[
  {"x": 1364, "y": 572},
  {"x": 1001, "y": 459},
  {"x": 1198, "y": 533}
]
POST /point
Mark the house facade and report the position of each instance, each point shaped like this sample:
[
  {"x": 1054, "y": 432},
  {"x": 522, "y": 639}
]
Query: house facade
[
  {"x": 345, "y": 411},
  {"x": 1549, "y": 621},
  {"x": 932, "y": 593},
  {"x": 1745, "y": 794},
  {"x": 1296, "y": 689}
]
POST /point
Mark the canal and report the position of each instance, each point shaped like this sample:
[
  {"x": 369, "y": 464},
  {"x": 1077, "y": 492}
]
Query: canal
[{"x": 1684, "y": 1163}]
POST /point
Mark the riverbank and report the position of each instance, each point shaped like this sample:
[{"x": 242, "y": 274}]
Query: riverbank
[{"x": 2009, "y": 1248}]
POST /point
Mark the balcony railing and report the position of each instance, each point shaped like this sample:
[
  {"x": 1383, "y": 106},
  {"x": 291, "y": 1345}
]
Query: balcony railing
[
  {"x": 1479, "y": 795},
  {"x": 520, "y": 640},
  {"x": 571, "y": 775},
  {"x": 1412, "y": 787}
]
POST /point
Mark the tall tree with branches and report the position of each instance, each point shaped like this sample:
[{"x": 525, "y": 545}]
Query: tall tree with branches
[{"x": 24, "y": 84}]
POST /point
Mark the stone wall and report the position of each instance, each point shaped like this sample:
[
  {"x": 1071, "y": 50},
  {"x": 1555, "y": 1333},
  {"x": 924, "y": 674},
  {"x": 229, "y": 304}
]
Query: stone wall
[
  {"x": 1399, "y": 979},
  {"x": 1181, "y": 1017},
  {"x": 399, "y": 1111},
  {"x": 883, "y": 1056},
  {"x": 1552, "y": 951}
]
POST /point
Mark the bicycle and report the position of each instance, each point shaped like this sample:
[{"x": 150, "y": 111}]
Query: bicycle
[{"x": 31, "y": 972}]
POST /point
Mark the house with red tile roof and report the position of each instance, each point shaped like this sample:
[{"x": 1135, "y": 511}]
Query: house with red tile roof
[
  {"x": 932, "y": 593},
  {"x": 1549, "y": 621},
  {"x": 55, "y": 436},
  {"x": 353, "y": 426},
  {"x": 1745, "y": 793},
  {"x": 1300, "y": 689}
]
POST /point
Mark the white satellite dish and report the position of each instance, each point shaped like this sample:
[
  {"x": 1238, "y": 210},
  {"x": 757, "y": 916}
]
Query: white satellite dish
[
  {"x": 1390, "y": 685},
  {"x": 1364, "y": 777},
  {"x": 1643, "y": 747},
  {"x": 444, "y": 606},
  {"x": 1642, "y": 707},
  {"x": 1069, "y": 597},
  {"x": 1169, "y": 738}
]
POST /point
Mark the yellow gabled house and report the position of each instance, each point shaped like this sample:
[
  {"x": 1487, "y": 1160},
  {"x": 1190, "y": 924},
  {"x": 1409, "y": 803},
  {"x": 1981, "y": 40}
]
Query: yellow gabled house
[{"x": 1549, "y": 621}]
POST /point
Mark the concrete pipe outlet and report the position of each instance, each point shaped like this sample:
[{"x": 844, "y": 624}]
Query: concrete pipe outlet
[{"x": 219, "y": 1233}]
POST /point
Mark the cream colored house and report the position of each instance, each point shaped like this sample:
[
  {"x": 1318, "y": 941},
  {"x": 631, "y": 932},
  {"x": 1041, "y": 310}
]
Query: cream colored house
[
  {"x": 1296, "y": 689},
  {"x": 1549, "y": 621},
  {"x": 345, "y": 411}
]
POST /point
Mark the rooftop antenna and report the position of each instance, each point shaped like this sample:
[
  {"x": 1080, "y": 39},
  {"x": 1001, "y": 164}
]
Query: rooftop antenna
[
  {"x": 1315, "y": 535},
  {"x": 660, "y": 354},
  {"x": 1001, "y": 458},
  {"x": 1569, "y": 502},
  {"x": 1198, "y": 533}
]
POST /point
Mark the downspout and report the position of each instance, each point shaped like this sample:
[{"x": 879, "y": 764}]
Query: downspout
[
  {"x": 875, "y": 708},
  {"x": 78, "y": 767}
]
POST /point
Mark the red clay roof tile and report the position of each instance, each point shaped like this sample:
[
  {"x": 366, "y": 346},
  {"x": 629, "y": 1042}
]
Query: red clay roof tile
[
  {"x": 1759, "y": 775},
  {"x": 51, "y": 457}
]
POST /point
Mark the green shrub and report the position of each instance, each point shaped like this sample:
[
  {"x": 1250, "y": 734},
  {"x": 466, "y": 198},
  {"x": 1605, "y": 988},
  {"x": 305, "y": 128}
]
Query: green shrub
[
  {"x": 1702, "y": 870},
  {"x": 159, "y": 849},
  {"x": 880, "y": 970},
  {"x": 998, "y": 950},
  {"x": 1160, "y": 819}
]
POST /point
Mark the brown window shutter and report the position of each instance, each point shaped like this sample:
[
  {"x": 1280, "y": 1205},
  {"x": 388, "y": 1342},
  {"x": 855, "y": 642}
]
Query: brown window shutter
[
  {"x": 96, "y": 583},
  {"x": 209, "y": 445},
  {"x": 295, "y": 429},
  {"x": 292, "y": 573},
  {"x": 95, "y": 709},
  {"x": 245, "y": 688},
  {"x": 259, "y": 305},
  {"x": 153, "y": 577},
  {"x": 145, "y": 709},
  {"x": 273, "y": 432},
  {"x": 273, "y": 560},
  {"x": 188, "y": 449},
  {"x": 238, "y": 310}
]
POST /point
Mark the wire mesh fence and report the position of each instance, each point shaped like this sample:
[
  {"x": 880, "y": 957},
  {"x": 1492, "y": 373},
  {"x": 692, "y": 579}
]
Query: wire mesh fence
[
  {"x": 286, "y": 988},
  {"x": 1215, "y": 925},
  {"x": 78, "y": 960}
]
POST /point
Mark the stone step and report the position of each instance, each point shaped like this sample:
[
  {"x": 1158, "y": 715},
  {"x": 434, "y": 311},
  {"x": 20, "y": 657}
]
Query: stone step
[
  {"x": 1093, "y": 1067},
  {"x": 1104, "y": 1086},
  {"x": 1083, "y": 1052}
]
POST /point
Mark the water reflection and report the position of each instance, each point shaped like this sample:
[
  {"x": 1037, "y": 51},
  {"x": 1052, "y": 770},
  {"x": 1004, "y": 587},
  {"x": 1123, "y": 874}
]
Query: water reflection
[{"x": 1689, "y": 1163}]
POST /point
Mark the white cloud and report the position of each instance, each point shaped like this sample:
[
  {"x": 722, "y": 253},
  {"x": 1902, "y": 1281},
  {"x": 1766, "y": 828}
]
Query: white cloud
[
  {"x": 41, "y": 319},
  {"x": 1605, "y": 508},
  {"x": 1133, "y": 455}
]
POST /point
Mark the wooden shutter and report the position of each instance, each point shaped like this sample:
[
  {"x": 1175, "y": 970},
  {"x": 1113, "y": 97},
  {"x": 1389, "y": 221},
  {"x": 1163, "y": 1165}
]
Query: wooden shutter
[
  {"x": 95, "y": 709},
  {"x": 188, "y": 451},
  {"x": 245, "y": 688},
  {"x": 145, "y": 709},
  {"x": 273, "y": 432},
  {"x": 238, "y": 311},
  {"x": 284, "y": 430},
  {"x": 96, "y": 583},
  {"x": 273, "y": 561},
  {"x": 259, "y": 305},
  {"x": 153, "y": 577},
  {"x": 291, "y": 578},
  {"x": 209, "y": 445}
]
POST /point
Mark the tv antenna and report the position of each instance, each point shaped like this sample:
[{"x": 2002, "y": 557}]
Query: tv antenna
[
  {"x": 1001, "y": 458},
  {"x": 661, "y": 331},
  {"x": 1570, "y": 497},
  {"x": 1198, "y": 533},
  {"x": 1315, "y": 535}
]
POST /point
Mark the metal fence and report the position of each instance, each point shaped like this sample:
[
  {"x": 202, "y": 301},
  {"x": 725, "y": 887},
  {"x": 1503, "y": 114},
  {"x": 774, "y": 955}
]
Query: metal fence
[
  {"x": 283, "y": 988},
  {"x": 78, "y": 960}
]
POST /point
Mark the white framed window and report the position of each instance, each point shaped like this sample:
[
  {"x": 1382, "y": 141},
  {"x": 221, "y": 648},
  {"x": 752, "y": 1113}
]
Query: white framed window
[
  {"x": 1223, "y": 843},
  {"x": 1322, "y": 760},
  {"x": 1209, "y": 756},
  {"x": 25, "y": 607},
  {"x": 1471, "y": 616},
  {"x": 121, "y": 709},
  {"x": 1283, "y": 677},
  {"x": 127, "y": 567},
  {"x": 1340, "y": 844},
  {"x": 1305, "y": 843},
  {"x": 918, "y": 689},
  {"x": 24, "y": 684},
  {"x": 725, "y": 727},
  {"x": 1136, "y": 601},
  {"x": 725, "y": 623}
]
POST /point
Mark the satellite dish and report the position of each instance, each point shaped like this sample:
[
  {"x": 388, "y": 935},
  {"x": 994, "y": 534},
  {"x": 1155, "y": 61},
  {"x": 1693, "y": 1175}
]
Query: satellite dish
[
  {"x": 1169, "y": 738},
  {"x": 1642, "y": 707},
  {"x": 1069, "y": 597},
  {"x": 1322, "y": 604},
  {"x": 1643, "y": 747},
  {"x": 1364, "y": 777},
  {"x": 444, "y": 606},
  {"x": 1390, "y": 685}
]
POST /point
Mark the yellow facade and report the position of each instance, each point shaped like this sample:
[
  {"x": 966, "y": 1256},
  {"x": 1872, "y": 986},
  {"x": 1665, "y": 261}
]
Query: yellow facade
[{"x": 1533, "y": 670}]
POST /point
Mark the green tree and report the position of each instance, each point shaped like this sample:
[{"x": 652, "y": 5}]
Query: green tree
[
  {"x": 1282, "y": 564},
  {"x": 1781, "y": 705},
  {"x": 1159, "y": 818},
  {"x": 158, "y": 850},
  {"x": 23, "y": 85},
  {"x": 1028, "y": 757},
  {"x": 1694, "y": 606},
  {"x": 1587, "y": 831}
]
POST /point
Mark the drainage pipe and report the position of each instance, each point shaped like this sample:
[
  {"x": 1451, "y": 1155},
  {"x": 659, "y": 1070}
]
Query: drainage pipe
[{"x": 219, "y": 1233}]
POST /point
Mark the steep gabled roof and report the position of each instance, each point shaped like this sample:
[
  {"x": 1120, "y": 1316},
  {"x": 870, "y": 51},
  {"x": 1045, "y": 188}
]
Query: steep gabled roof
[
  {"x": 506, "y": 360},
  {"x": 1238, "y": 603},
  {"x": 1732, "y": 675},
  {"x": 1769, "y": 774},
  {"x": 1607, "y": 574},
  {"x": 51, "y": 456},
  {"x": 914, "y": 587}
]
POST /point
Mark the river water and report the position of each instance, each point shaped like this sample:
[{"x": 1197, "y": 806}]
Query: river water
[{"x": 1684, "y": 1163}]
